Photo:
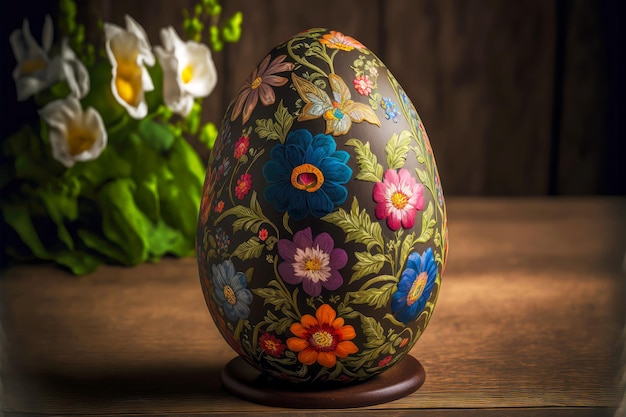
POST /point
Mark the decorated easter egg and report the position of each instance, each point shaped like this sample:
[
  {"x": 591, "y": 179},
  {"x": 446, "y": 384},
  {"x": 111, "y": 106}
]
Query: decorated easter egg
[{"x": 322, "y": 233}]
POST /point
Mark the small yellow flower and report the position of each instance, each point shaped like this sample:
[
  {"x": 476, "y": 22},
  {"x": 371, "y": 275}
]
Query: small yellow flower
[
  {"x": 74, "y": 135},
  {"x": 129, "y": 51}
]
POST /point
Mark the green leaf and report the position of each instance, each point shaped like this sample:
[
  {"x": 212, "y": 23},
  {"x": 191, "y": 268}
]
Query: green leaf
[
  {"x": 18, "y": 217},
  {"x": 232, "y": 29},
  {"x": 80, "y": 263},
  {"x": 373, "y": 331},
  {"x": 147, "y": 197},
  {"x": 101, "y": 245},
  {"x": 61, "y": 205},
  {"x": 375, "y": 297},
  {"x": 371, "y": 170},
  {"x": 122, "y": 221},
  {"x": 367, "y": 264},
  {"x": 407, "y": 247},
  {"x": 357, "y": 225},
  {"x": 271, "y": 295},
  {"x": 164, "y": 239},
  {"x": 155, "y": 135},
  {"x": 180, "y": 188},
  {"x": 270, "y": 130},
  {"x": 428, "y": 224},
  {"x": 397, "y": 149},
  {"x": 109, "y": 165},
  {"x": 422, "y": 175},
  {"x": 252, "y": 248},
  {"x": 246, "y": 218},
  {"x": 208, "y": 135}
]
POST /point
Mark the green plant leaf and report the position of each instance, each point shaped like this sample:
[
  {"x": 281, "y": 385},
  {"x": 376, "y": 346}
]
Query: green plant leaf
[
  {"x": 78, "y": 262},
  {"x": 147, "y": 197},
  {"x": 407, "y": 247},
  {"x": 367, "y": 264},
  {"x": 155, "y": 134},
  {"x": 232, "y": 29},
  {"x": 371, "y": 170},
  {"x": 99, "y": 244},
  {"x": 272, "y": 295},
  {"x": 122, "y": 221},
  {"x": 252, "y": 248},
  {"x": 397, "y": 149},
  {"x": 18, "y": 217},
  {"x": 375, "y": 297},
  {"x": 428, "y": 224},
  {"x": 109, "y": 165},
  {"x": 246, "y": 218},
  {"x": 373, "y": 331},
  {"x": 358, "y": 226},
  {"x": 164, "y": 239},
  {"x": 208, "y": 134}
]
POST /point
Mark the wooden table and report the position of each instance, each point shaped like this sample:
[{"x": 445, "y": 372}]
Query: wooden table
[{"x": 528, "y": 324}]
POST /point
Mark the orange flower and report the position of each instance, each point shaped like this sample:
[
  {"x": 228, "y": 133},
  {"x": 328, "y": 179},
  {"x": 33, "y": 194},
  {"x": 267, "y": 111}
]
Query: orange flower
[
  {"x": 338, "y": 40},
  {"x": 322, "y": 338}
]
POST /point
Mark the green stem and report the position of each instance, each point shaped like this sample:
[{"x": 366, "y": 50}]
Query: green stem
[
  {"x": 302, "y": 61},
  {"x": 380, "y": 278}
]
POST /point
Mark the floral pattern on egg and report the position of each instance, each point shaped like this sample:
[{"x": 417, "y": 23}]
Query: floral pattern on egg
[{"x": 322, "y": 233}]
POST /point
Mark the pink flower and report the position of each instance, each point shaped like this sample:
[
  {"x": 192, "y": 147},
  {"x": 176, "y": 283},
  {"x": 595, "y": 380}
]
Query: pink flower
[
  {"x": 363, "y": 85},
  {"x": 241, "y": 147},
  {"x": 399, "y": 197},
  {"x": 244, "y": 184}
]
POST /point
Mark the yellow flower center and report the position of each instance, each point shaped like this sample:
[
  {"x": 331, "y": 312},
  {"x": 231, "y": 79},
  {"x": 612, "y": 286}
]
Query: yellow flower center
[
  {"x": 229, "y": 293},
  {"x": 128, "y": 81},
  {"x": 307, "y": 177},
  {"x": 187, "y": 74},
  {"x": 257, "y": 83},
  {"x": 33, "y": 65},
  {"x": 399, "y": 200},
  {"x": 322, "y": 339},
  {"x": 313, "y": 264},
  {"x": 79, "y": 140},
  {"x": 417, "y": 288}
]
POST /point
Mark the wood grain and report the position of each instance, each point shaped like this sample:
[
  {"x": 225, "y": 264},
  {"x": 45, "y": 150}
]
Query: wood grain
[
  {"x": 529, "y": 318},
  {"x": 485, "y": 75}
]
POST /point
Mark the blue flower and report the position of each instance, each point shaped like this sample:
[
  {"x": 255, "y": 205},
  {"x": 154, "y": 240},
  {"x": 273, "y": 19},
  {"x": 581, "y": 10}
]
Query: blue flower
[
  {"x": 416, "y": 284},
  {"x": 306, "y": 175},
  {"x": 230, "y": 290},
  {"x": 391, "y": 111}
]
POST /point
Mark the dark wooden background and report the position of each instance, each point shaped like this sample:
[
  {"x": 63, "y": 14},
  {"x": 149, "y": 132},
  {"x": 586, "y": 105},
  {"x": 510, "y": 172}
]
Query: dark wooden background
[{"x": 518, "y": 97}]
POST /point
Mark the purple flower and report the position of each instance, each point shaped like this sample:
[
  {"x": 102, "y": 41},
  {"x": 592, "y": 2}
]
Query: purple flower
[{"x": 313, "y": 262}]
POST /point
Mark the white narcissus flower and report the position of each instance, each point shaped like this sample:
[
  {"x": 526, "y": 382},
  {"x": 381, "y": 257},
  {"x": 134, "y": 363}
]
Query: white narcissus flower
[
  {"x": 35, "y": 71},
  {"x": 129, "y": 51},
  {"x": 74, "y": 71},
  {"x": 188, "y": 71},
  {"x": 75, "y": 135}
]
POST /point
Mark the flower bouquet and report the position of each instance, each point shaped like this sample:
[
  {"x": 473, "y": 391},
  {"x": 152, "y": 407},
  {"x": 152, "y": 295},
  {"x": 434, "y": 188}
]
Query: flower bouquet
[{"x": 106, "y": 174}]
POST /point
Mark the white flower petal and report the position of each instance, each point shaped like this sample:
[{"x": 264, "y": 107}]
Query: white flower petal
[
  {"x": 128, "y": 50},
  {"x": 145, "y": 51},
  {"x": 204, "y": 77},
  {"x": 188, "y": 71},
  {"x": 66, "y": 118}
]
